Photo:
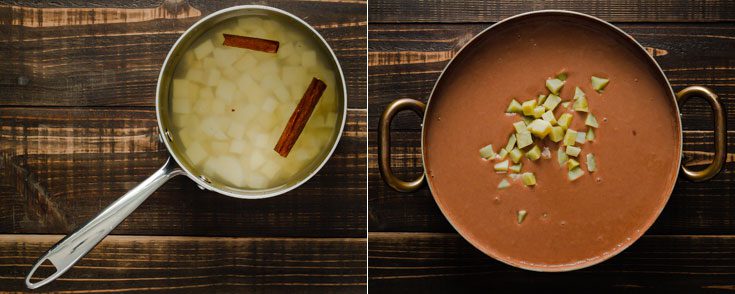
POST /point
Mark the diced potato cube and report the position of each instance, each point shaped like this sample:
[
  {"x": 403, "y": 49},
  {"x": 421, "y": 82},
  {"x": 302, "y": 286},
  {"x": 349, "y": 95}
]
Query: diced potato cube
[
  {"x": 529, "y": 179},
  {"x": 196, "y": 75},
  {"x": 225, "y": 56},
  {"x": 581, "y": 105},
  {"x": 195, "y": 153},
  {"x": 524, "y": 139},
  {"x": 270, "y": 170},
  {"x": 581, "y": 137},
  {"x": 570, "y": 137},
  {"x": 520, "y": 126},
  {"x": 514, "y": 107},
  {"x": 516, "y": 168},
  {"x": 565, "y": 120},
  {"x": 522, "y": 213},
  {"x": 541, "y": 99},
  {"x": 515, "y": 155},
  {"x": 552, "y": 102},
  {"x": 246, "y": 63},
  {"x": 270, "y": 104},
  {"x": 501, "y": 167},
  {"x": 534, "y": 153},
  {"x": 556, "y": 134},
  {"x": 268, "y": 66},
  {"x": 566, "y": 104},
  {"x": 214, "y": 127},
  {"x": 225, "y": 90},
  {"x": 238, "y": 146},
  {"x": 501, "y": 154},
  {"x": 503, "y": 184},
  {"x": 213, "y": 77},
  {"x": 308, "y": 58},
  {"x": 561, "y": 156},
  {"x": 285, "y": 50},
  {"x": 511, "y": 142},
  {"x": 591, "y": 121},
  {"x": 204, "y": 49},
  {"x": 572, "y": 163},
  {"x": 549, "y": 116},
  {"x": 487, "y": 152},
  {"x": 250, "y": 23},
  {"x": 591, "y": 164},
  {"x": 598, "y": 84},
  {"x": 575, "y": 174},
  {"x": 554, "y": 85},
  {"x": 590, "y": 134},
  {"x": 246, "y": 83},
  {"x": 540, "y": 128},
  {"x": 257, "y": 159},
  {"x": 528, "y": 107},
  {"x": 282, "y": 94},
  {"x": 236, "y": 130},
  {"x": 295, "y": 75},
  {"x": 538, "y": 111},
  {"x": 578, "y": 93},
  {"x": 573, "y": 151},
  {"x": 219, "y": 147}
]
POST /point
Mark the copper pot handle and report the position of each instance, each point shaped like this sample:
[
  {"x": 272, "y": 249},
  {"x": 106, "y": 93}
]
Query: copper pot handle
[
  {"x": 384, "y": 144},
  {"x": 720, "y": 132}
]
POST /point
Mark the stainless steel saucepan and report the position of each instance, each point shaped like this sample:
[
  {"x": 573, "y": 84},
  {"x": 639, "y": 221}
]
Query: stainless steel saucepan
[{"x": 72, "y": 248}]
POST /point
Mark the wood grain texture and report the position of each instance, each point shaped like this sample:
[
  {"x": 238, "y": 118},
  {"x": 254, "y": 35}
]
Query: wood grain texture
[
  {"x": 108, "y": 55},
  {"x": 196, "y": 265},
  {"x": 437, "y": 11},
  {"x": 61, "y": 166},
  {"x": 406, "y": 59},
  {"x": 441, "y": 263}
]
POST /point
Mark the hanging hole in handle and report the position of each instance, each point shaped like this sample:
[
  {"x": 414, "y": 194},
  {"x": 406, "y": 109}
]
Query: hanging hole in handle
[
  {"x": 384, "y": 155},
  {"x": 720, "y": 132},
  {"x": 46, "y": 268}
]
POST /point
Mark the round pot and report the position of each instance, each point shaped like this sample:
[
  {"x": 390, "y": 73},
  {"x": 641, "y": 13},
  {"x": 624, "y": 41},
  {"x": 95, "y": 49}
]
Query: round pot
[
  {"x": 468, "y": 231},
  {"x": 72, "y": 248}
]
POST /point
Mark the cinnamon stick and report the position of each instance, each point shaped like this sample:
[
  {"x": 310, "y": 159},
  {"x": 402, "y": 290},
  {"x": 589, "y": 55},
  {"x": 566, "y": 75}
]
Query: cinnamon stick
[
  {"x": 300, "y": 117},
  {"x": 251, "y": 43}
]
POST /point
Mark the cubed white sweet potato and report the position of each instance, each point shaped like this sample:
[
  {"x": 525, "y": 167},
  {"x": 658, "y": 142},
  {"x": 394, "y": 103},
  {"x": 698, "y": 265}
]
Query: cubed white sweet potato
[
  {"x": 257, "y": 159},
  {"x": 214, "y": 127},
  {"x": 196, "y": 75},
  {"x": 308, "y": 58},
  {"x": 247, "y": 62},
  {"x": 196, "y": 153},
  {"x": 250, "y": 23},
  {"x": 225, "y": 90},
  {"x": 293, "y": 75},
  {"x": 213, "y": 77},
  {"x": 236, "y": 130},
  {"x": 219, "y": 147},
  {"x": 204, "y": 49},
  {"x": 269, "y": 105},
  {"x": 230, "y": 170},
  {"x": 226, "y": 56},
  {"x": 239, "y": 146}
]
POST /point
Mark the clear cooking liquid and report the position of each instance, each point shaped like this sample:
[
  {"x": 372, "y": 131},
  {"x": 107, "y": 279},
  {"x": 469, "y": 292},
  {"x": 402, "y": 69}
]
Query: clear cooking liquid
[{"x": 230, "y": 105}]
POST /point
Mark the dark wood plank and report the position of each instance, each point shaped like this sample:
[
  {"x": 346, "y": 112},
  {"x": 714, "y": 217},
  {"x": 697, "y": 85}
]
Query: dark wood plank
[
  {"x": 61, "y": 166},
  {"x": 99, "y": 54},
  {"x": 391, "y": 11},
  {"x": 406, "y": 59},
  {"x": 441, "y": 263},
  {"x": 694, "y": 208},
  {"x": 191, "y": 264}
]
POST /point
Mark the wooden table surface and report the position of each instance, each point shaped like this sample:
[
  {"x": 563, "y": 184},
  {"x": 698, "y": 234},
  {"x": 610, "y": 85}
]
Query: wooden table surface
[
  {"x": 78, "y": 129},
  {"x": 412, "y": 248}
]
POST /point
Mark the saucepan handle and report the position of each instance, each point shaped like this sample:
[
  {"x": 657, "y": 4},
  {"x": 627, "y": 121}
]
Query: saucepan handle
[
  {"x": 72, "y": 248},
  {"x": 720, "y": 132},
  {"x": 384, "y": 144}
]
